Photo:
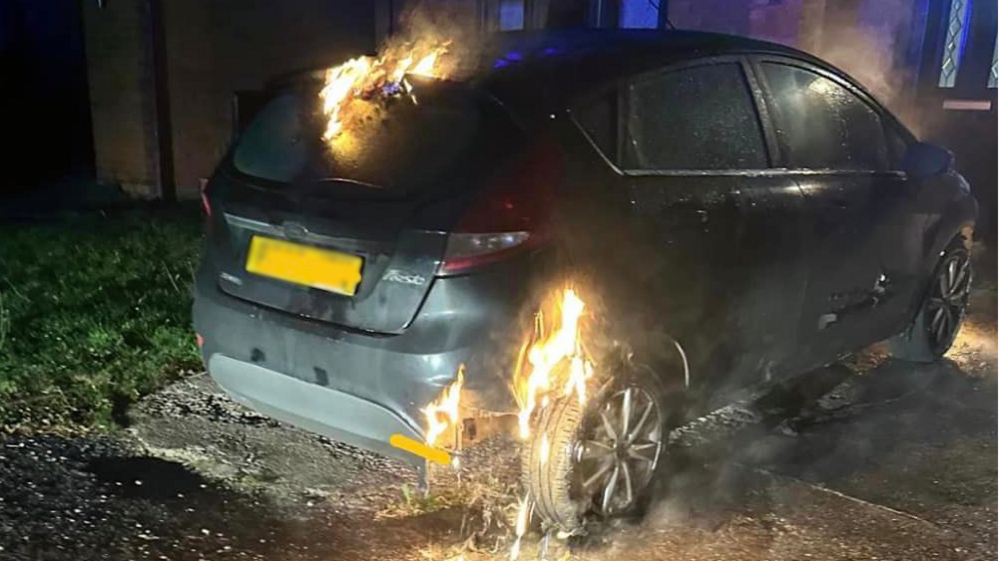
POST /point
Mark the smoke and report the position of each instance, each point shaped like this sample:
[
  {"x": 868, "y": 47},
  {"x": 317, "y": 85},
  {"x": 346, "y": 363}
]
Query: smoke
[
  {"x": 869, "y": 42},
  {"x": 453, "y": 24}
]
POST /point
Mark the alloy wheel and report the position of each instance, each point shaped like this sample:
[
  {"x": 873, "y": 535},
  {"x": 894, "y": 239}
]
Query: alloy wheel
[
  {"x": 619, "y": 451},
  {"x": 948, "y": 300}
]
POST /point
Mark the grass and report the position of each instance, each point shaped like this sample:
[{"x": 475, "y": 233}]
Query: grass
[{"x": 94, "y": 313}]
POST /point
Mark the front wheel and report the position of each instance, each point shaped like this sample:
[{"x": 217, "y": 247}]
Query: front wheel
[
  {"x": 942, "y": 312},
  {"x": 598, "y": 457}
]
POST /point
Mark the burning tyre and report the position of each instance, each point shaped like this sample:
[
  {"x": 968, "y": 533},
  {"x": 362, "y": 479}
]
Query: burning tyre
[{"x": 599, "y": 457}]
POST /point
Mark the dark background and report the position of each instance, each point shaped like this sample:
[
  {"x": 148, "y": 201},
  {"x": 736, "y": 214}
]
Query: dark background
[{"x": 44, "y": 96}]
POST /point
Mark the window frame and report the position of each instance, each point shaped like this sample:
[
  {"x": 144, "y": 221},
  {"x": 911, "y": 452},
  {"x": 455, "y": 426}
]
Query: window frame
[
  {"x": 885, "y": 118},
  {"x": 620, "y": 85}
]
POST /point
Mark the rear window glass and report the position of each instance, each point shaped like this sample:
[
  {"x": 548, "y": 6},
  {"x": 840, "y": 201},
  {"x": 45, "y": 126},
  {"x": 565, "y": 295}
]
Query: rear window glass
[{"x": 401, "y": 147}]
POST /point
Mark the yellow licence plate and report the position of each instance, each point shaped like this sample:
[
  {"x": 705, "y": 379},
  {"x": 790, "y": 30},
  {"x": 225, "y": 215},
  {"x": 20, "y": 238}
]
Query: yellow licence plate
[{"x": 301, "y": 264}]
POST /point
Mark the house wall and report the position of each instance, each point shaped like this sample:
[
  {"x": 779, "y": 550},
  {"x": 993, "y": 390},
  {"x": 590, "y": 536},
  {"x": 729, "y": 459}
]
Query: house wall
[
  {"x": 215, "y": 47},
  {"x": 121, "y": 98}
]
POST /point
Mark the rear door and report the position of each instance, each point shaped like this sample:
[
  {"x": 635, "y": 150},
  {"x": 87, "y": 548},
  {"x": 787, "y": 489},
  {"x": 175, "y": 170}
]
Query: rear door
[
  {"x": 832, "y": 141},
  {"x": 720, "y": 236},
  {"x": 375, "y": 203}
]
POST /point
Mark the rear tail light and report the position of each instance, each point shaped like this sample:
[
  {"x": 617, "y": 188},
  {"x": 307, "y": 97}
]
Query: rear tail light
[
  {"x": 512, "y": 217},
  {"x": 206, "y": 205},
  {"x": 468, "y": 251}
]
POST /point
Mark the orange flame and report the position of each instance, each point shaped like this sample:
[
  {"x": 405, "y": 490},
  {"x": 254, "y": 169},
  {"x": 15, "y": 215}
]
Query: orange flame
[
  {"x": 360, "y": 77},
  {"x": 443, "y": 412},
  {"x": 563, "y": 349},
  {"x": 523, "y": 518}
]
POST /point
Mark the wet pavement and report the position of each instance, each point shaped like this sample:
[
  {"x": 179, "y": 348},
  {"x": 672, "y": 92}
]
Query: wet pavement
[{"x": 889, "y": 461}]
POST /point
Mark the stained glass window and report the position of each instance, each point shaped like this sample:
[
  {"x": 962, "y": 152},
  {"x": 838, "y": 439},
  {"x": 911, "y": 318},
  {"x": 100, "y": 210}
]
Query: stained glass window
[
  {"x": 639, "y": 14},
  {"x": 957, "y": 23},
  {"x": 511, "y": 14},
  {"x": 993, "y": 72}
]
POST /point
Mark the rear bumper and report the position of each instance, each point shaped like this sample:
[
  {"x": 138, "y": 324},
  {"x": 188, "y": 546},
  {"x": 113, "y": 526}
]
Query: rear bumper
[
  {"x": 357, "y": 387},
  {"x": 314, "y": 408}
]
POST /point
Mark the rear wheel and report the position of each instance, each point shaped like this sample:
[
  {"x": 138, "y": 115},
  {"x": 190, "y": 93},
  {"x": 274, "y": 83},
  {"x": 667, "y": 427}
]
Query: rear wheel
[
  {"x": 942, "y": 312},
  {"x": 599, "y": 457}
]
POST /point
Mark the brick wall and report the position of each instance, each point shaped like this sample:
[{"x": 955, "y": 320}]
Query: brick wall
[
  {"x": 215, "y": 47},
  {"x": 120, "y": 82}
]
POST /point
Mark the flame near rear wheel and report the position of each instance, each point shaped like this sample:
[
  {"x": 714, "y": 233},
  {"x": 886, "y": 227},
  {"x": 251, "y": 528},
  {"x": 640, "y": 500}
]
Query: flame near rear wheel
[{"x": 599, "y": 457}]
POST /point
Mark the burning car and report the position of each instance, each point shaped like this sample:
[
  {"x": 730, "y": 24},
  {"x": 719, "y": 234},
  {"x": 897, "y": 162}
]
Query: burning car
[{"x": 601, "y": 232}]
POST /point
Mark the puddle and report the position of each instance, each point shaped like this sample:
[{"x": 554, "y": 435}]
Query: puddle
[{"x": 146, "y": 477}]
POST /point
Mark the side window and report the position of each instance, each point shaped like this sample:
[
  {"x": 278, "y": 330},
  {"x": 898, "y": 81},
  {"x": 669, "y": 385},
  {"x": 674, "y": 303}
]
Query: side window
[
  {"x": 599, "y": 119},
  {"x": 700, "y": 118},
  {"x": 822, "y": 124}
]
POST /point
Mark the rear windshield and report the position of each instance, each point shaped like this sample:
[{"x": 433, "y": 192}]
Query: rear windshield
[{"x": 403, "y": 146}]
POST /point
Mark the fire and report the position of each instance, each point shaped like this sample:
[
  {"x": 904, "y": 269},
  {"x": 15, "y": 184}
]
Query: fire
[
  {"x": 558, "y": 356},
  {"x": 363, "y": 77},
  {"x": 443, "y": 412},
  {"x": 523, "y": 518}
]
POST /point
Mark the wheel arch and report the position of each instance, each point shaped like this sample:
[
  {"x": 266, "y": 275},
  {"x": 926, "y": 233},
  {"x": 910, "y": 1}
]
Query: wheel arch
[
  {"x": 956, "y": 219},
  {"x": 666, "y": 356}
]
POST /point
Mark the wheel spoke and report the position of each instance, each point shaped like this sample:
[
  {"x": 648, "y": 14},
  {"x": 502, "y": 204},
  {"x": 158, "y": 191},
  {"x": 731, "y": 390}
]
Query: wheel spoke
[
  {"x": 608, "y": 426},
  {"x": 938, "y": 318},
  {"x": 956, "y": 300},
  {"x": 958, "y": 286},
  {"x": 943, "y": 285},
  {"x": 599, "y": 473},
  {"x": 951, "y": 273},
  {"x": 943, "y": 331},
  {"x": 594, "y": 449},
  {"x": 641, "y": 421},
  {"x": 628, "y": 492},
  {"x": 625, "y": 412},
  {"x": 644, "y": 451},
  {"x": 609, "y": 490}
]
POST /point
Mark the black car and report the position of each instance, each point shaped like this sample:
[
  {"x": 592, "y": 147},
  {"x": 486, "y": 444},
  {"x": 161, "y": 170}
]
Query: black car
[{"x": 741, "y": 211}]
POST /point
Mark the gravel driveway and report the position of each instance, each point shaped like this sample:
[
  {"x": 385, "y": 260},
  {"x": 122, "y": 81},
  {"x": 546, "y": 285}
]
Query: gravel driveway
[{"x": 889, "y": 461}]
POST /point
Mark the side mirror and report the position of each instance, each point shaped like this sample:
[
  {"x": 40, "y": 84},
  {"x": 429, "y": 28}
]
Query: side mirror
[{"x": 923, "y": 159}]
